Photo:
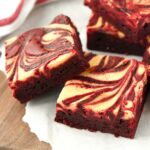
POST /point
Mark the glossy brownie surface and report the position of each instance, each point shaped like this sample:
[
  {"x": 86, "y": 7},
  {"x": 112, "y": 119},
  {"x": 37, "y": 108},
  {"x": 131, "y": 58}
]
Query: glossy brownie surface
[
  {"x": 44, "y": 57},
  {"x": 107, "y": 97},
  {"x": 132, "y": 17}
]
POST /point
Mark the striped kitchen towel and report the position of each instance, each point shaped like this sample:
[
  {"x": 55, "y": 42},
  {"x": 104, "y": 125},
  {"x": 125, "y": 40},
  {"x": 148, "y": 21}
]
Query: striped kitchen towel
[{"x": 14, "y": 12}]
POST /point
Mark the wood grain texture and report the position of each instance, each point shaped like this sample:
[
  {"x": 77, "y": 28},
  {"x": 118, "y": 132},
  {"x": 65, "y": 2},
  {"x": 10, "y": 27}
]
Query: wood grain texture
[{"x": 14, "y": 133}]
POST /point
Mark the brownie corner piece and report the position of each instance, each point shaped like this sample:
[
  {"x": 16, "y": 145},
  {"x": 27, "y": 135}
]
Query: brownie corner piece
[
  {"x": 131, "y": 17},
  {"x": 103, "y": 36},
  {"x": 107, "y": 97},
  {"x": 43, "y": 58}
]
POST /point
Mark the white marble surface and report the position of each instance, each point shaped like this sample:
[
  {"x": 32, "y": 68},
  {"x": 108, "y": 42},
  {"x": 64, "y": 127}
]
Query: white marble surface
[{"x": 40, "y": 113}]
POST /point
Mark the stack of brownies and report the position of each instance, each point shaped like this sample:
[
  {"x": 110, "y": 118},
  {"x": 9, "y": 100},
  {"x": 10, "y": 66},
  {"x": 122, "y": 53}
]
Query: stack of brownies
[
  {"x": 101, "y": 93},
  {"x": 120, "y": 26}
]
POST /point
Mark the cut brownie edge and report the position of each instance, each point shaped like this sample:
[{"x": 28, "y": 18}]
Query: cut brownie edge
[
  {"x": 34, "y": 86},
  {"x": 107, "y": 43},
  {"x": 103, "y": 36},
  {"x": 78, "y": 120}
]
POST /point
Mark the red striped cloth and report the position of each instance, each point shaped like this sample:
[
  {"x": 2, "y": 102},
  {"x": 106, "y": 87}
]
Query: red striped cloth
[
  {"x": 15, "y": 14},
  {"x": 42, "y": 1}
]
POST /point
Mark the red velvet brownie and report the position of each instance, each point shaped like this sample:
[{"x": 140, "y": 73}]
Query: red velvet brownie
[
  {"x": 43, "y": 58},
  {"x": 103, "y": 36},
  {"x": 107, "y": 97},
  {"x": 130, "y": 16}
]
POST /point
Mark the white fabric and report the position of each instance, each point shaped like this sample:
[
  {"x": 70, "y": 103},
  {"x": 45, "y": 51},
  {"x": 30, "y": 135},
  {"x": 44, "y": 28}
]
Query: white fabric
[
  {"x": 7, "y": 9},
  {"x": 26, "y": 9}
]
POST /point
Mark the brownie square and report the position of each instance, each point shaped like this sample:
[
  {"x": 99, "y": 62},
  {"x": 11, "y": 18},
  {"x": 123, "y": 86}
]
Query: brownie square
[
  {"x": 130, "y": 16},
  {"x": 103, "y": 36},
  {"x": 107, "y": 97},
  {"x": 43, "y": 58}
]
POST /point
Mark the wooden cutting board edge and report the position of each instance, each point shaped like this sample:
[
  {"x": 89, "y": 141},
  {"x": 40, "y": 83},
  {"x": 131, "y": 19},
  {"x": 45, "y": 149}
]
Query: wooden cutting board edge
[{"x": 14, "y": 133}]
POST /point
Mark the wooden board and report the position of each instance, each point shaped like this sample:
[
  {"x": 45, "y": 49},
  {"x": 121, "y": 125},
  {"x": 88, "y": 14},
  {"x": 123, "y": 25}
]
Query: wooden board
[{"x": 14, "y": 133}]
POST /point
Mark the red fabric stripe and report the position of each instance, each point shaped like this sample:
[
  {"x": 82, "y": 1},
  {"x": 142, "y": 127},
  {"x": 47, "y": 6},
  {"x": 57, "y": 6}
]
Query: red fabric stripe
[{"x": 12, "y": 18}]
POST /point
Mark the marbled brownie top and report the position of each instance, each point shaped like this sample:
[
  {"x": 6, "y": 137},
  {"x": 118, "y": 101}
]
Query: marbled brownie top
[
  {"x": 111, "y": 87},
  {"x": 134, "y": 14},
  {"x": 99, "y": 24},
  {"x": 39, "y": 50}
]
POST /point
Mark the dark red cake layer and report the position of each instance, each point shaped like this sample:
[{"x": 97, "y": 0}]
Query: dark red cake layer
[
  {"x": 107, "y": 97},
  {"x": 131, "y": 17},
  {"x": 146, "y": 60},
  {"x": 103, "y": 36},
  {"x": 43, "y": 58}
]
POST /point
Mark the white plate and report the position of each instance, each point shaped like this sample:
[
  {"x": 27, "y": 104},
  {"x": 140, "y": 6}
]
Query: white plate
[{"x": 40, "y": 113}]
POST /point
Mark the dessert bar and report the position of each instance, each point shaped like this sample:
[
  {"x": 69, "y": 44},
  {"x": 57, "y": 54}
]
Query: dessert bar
[
  {"x": 43, "y": 58},
  {"x": 130, "y": 16},
  {"x": 107, "y": 97},
  {"x": 103, "y": 36}
]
